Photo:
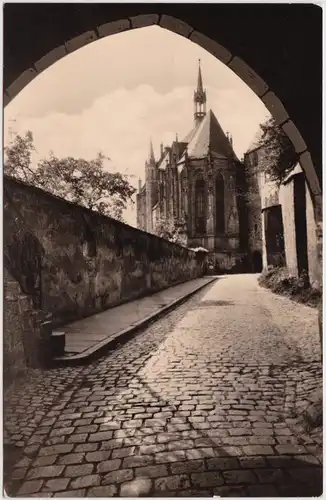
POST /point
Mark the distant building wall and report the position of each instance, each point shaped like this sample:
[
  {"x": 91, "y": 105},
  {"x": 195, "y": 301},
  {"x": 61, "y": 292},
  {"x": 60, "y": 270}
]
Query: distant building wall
[
  {"x": 287, "y": 198},
  {"x": 302, "y": 238},
  {"x": 86, "y": 262}
]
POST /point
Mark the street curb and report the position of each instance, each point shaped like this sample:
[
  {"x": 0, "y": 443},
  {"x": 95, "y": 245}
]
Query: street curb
[{"x": 124, "y": 335}]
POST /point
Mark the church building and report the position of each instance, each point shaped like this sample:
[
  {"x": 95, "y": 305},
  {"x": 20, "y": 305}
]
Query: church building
[{"x": 196, "y": 183}]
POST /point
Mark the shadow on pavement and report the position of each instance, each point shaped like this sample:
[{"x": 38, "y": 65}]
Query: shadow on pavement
[
  {"x": 196, "y": 460},
  {"x": 213, "y": 303}
]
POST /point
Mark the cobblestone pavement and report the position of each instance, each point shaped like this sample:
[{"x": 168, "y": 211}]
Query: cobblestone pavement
[{"x": 202, "y": 402}]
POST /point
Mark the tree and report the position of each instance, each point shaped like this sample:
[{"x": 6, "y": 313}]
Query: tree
[
  {"x": 80, "y": 181},
  {"x": 18, "y": 158},
  {"x": 277, "y": 155},
  {"x": 86, "y": 183},
  {"x": 168, "y": 229}
]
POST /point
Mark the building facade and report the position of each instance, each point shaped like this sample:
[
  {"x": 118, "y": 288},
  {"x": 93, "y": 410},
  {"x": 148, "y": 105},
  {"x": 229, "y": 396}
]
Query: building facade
[
  {"x": 283, "y": 216},
  {"x": 196, "y": 184}
]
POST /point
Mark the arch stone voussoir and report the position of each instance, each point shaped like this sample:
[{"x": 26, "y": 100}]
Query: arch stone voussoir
[
  {"x": 212, "y": 47},
  {"x": 50, "y": 58},
  {"x": 114, "y": 27},
  {"x": 144, "y": 20},
  {"x": 310, "y": 172},
  {"x": 80, "y": 40},
  {"x": 295, "y": 137},
  {"x": 275, "y": 107},
  {"x": 6, "y": 99},
  {"x": 175, "y": 25},
  {"x": 318, "y": 209},
  {"x": 21, "y": 82},
  {"x": 249, "y": 76}
]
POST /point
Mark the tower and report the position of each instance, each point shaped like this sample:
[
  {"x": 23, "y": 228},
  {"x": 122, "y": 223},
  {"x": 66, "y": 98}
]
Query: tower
[
  {"x": 199, "y": 99},
  {"x": 150, "y": 171}
]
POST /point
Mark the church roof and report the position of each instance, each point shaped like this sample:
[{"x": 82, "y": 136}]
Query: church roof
[
  {"x": 209, "y": 136},
  {"x": 179, "y": 148},
  {"x": 191, "y": 134}
]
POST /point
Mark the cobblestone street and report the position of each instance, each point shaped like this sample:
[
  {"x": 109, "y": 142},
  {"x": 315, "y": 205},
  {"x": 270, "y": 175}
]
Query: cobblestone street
[{"x": 202, "y": 402}]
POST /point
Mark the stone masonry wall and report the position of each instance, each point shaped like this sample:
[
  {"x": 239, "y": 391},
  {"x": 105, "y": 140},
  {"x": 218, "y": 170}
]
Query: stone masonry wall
[
  {"x": 13, "y": 345},
  {"x": 23, "y": 336},
  {"x": 287, "y": 201},
  {"x": 86, "y": 262},
  {"x": 315, "y": 273}
]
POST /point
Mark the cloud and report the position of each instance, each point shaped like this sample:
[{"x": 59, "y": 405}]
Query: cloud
[{"x": 121, "y": 123}]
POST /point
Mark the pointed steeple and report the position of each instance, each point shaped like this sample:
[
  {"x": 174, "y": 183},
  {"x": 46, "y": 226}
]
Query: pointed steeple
[
  {"x": 199, "y": 98},
  {"x": 200, "y": 80},
  {"x": 151, "y": 158}
]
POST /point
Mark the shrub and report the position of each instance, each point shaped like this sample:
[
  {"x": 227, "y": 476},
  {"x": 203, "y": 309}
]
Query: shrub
[{"x": 280, "y": 281}]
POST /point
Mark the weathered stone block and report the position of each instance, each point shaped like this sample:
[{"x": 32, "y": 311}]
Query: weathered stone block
[
  {"x": 108, "y": 466},
  {"x": 56, "y": 449},
  {"x": 257, "y": 450},
  {"x": 239, "y": 477},
  {"x": 80, "y": 41},
  {"x": 137, "y": 487},
  {"x": 290, "y": 449},
  {"x": 100, "y": 436},
  {"x": 21, "y": 82},
  {"x": 295, "y": 137},
  {"x": 211, "y": 46},
  {"x": 103, "y": 491},
  {"x": 56, "y": 484},
  {"x": 249, "y": 76},
  {"x": 172, "y": 483},
  {"x": 30, "y": 487},
  {"x": 78, "y": 470},
  {"x": 46, "y": 471},
  {"x": 275, "y": 107},
  {"x": 207, "y": 479},
  {"x": 71, "y": 458},
  {"x": 6, "y": 99},
  {"x": 113, "y": 27},
  {"x": 118, "y": 476},
  {"x": 144, "y": 20},
  {"x": 86, "y": 481},
  {"x": 152, "y": 471},
  {"x": 309, "y": 169},
  {"x": 175, "y": 25},
  {"x": 50, "y": 58},
  {"x": 71, "y": 493}
]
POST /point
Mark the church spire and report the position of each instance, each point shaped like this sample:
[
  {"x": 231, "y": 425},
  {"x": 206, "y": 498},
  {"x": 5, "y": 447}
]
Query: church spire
[
  {"x": 200, "y": 80},
  {"x": 199, "y": 98},
  {"x": 151, "y": 158}
]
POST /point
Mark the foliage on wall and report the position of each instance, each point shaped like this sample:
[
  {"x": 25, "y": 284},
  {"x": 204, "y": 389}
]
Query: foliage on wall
[{"x": 85, "y": 182}]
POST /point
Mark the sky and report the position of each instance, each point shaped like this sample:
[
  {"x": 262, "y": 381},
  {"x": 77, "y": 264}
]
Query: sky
[{"x": 118, "y": 93}]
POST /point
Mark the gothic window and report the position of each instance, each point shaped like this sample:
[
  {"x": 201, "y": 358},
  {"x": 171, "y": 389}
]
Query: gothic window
[
  {"x": 200, "y": 207},
  {"x": 219, "y": 204}
]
